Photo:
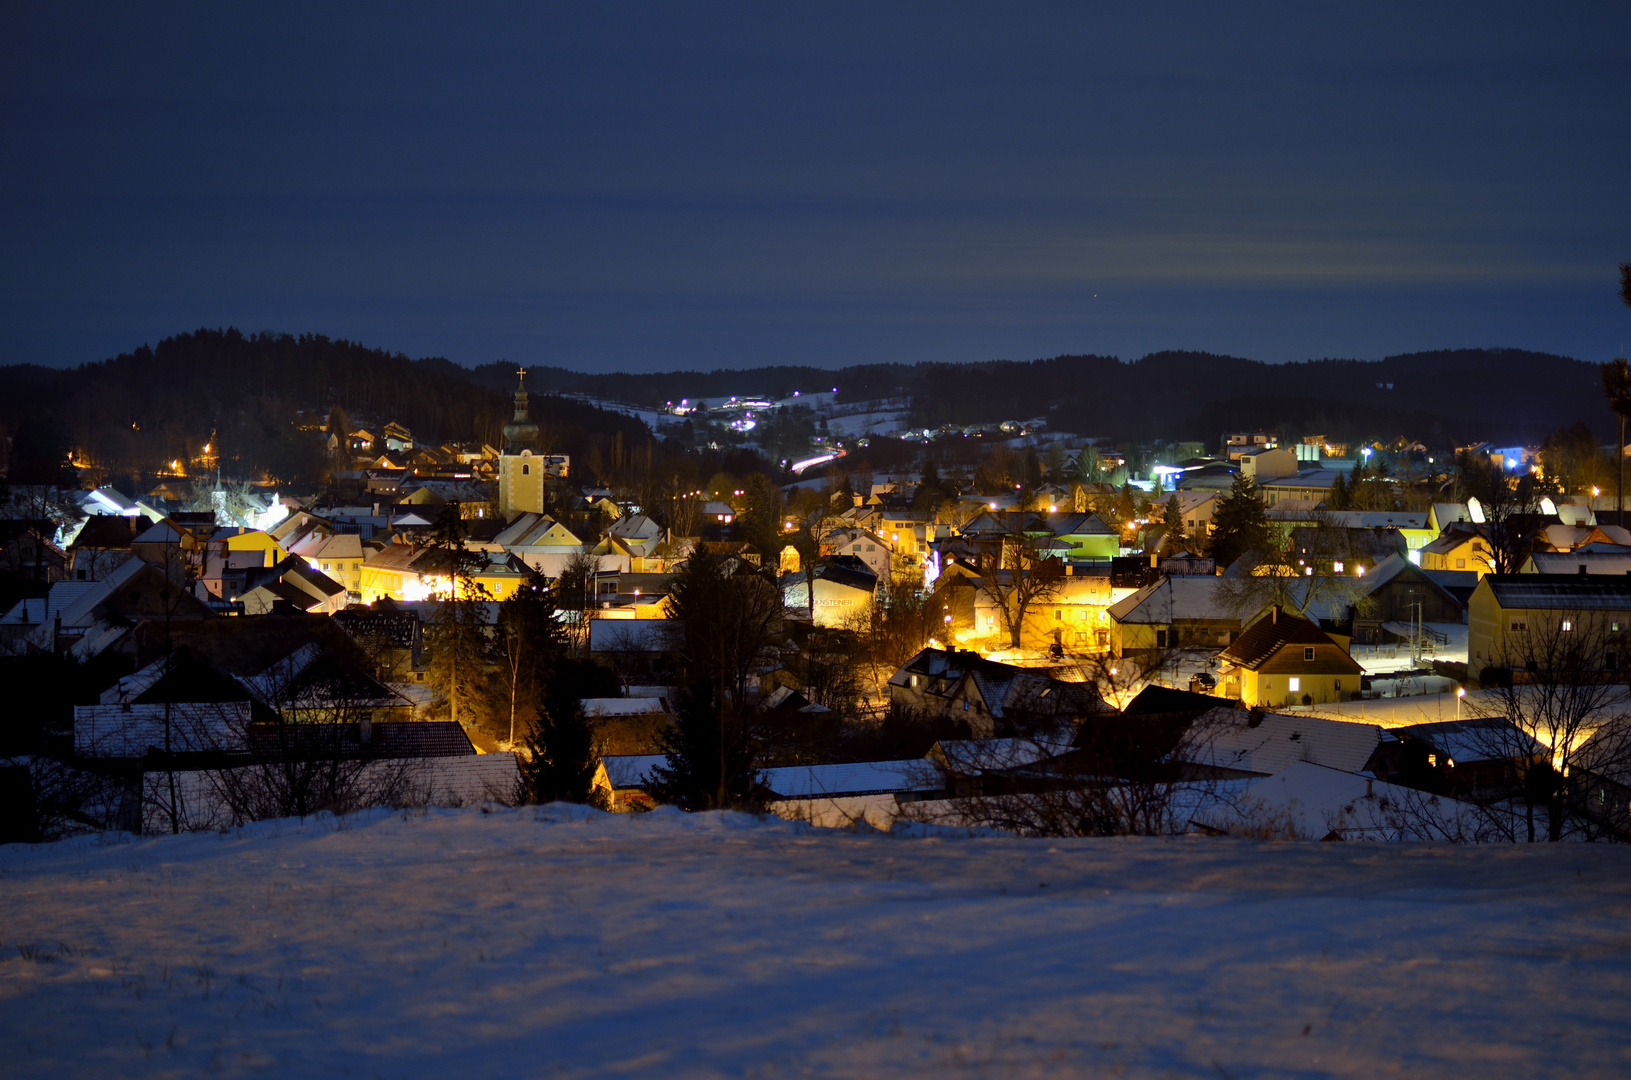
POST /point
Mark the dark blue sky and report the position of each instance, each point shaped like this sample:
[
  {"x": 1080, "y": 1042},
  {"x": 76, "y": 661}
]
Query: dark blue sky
[{"x": 649, "y": 187}]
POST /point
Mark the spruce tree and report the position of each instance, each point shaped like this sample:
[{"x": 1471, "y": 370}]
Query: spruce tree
[
  {"x": 1338, "y": 499},
  {"x": 1172, "y": 517},
  {"x": 562, "y": 758},
  {"x": 1240, "y": 524},
  {"x": 710, "y": 757}
]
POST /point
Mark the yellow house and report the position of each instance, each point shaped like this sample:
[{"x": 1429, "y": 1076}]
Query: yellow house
[
  {"x": 255, "y": 540},
  {"x": 1075, "y": 615},
  {"x": 409, "y": 572},
  {"x": 341, "y": 558},
  {"x": 541, "y": 542},
  {"x": 1173, "y": 613},
  {"x": 1580, "y": 621},
  {"x": 1282, "y": 660},
  {"x": 1458, "y": 550}
]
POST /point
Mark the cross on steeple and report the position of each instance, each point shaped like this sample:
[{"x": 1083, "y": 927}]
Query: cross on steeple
[{"x": 521, "y": 377}]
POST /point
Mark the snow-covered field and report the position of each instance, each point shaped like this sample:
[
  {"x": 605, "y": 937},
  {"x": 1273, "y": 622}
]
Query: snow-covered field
[{"x": 559, "y": 942}]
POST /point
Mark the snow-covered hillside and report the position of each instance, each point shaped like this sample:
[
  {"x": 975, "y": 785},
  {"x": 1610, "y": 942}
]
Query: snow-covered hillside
[{"x": 560, "y": 942}]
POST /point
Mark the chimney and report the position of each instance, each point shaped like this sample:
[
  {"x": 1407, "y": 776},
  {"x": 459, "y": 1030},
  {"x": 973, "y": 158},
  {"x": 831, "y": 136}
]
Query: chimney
[
  {"x": 1367, "y": 787},
  {"x": 1582, "y": 569},
  {"x": 1274, "y": 615}
]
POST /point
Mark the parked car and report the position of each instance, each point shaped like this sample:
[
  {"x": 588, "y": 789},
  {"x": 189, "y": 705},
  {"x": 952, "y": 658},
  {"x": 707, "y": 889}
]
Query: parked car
[{"x": 1203, "y": 682}]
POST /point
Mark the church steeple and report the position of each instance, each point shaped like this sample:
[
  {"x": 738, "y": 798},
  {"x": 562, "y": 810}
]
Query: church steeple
[{"x": 521, "y": 433}]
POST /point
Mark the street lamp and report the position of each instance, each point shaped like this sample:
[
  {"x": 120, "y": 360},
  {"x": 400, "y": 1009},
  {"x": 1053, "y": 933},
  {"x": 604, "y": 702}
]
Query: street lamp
[{"x": 1460, "y": 692}]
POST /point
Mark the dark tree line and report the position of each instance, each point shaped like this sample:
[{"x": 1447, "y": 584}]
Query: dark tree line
[
  {"x": 1453, "y": 395},
  {"x": 260, "y": 399}
]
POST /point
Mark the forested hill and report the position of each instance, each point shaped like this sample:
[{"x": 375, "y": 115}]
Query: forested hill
[
  {"x": 259, "y": 397},
  {"x": 1452, "y": 395},
  {"x": 1458, "y": 396}
]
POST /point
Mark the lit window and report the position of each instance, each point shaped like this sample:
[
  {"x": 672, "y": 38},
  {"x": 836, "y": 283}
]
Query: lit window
[
  {"x": 1614, "y": 627},
  {"x": 1294, "y": 684},
  {"x": 1567, "y": 626},
  {"x": 1337, "y": 566}
]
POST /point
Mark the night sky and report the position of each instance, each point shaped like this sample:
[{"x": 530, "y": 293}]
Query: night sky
[{"x": 664, "y": 186}]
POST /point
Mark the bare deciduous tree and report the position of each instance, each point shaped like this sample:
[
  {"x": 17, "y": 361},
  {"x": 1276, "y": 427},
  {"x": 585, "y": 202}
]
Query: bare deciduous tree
[
  {"x": 1556, "y": 716},
  {"x": 1028, "y": 573}
]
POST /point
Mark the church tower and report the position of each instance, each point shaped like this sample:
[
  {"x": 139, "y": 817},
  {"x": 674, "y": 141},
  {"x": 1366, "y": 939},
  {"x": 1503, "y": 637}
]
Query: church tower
[{"x": 520, "y": 468}]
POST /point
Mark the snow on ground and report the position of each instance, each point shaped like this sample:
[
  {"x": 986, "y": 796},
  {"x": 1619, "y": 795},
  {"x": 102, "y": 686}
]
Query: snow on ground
[
  {"x": 1432, "y": 708},
  {"x": 559, "y": 942},
  {"x": 854, "y": 425},
  {"x": 1397, "y": 656}
]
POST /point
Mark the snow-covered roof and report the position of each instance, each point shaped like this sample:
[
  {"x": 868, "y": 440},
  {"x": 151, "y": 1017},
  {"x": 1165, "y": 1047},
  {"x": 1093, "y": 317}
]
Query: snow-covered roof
[
  {"x": 111, "y": 501},
  {"x": 631, "y": 770},
  {"x": 127, "y": 731},
  {"x": 972, "y": 757},
  {"x": 1475, "y": 739},
  {"x": 76, "y": 603},
  {"x": 637, "y": 527},
  {"x": 858, "y": 778},
  {"x": 1315, "y": 802},
  {"x": 1174, "y": 599},
  {"x": 40, "y": 609},
  {"x": 1592, "y": 562},
  {"x": 534, "y": 529},
  {"x": 160, "y": 532},
  {"x": 467, "y": 779},
  {"x": 1541, "y": 591},
  {"x": 1226, "y": 738}
]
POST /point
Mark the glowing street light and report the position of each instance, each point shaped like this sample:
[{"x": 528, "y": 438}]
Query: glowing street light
[{"x": 1460, "y": 692}]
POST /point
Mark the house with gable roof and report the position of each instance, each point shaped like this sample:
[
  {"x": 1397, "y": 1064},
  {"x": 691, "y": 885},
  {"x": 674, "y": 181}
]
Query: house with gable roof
[
  {"x": 863, "y": 544},
  {"x": 1514, "y": 620},
  {"x": 541, "y": 542},
  {"x": 101, "y": 545},
  {"x": 991, "y": 698},
  {"x": 1282, "y": 659},
  {"x": 86, "y": 618},
  {"x": 1174, "y": 612}
]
